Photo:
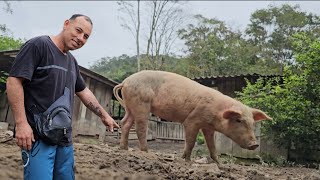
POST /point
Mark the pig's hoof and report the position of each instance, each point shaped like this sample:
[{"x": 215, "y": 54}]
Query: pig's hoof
[
  {"x": 210, "y": 160},
  {"x": 183, "y": 156},
  {"x": 144, "y": 150},
  {"x": 187, "y": 159}
]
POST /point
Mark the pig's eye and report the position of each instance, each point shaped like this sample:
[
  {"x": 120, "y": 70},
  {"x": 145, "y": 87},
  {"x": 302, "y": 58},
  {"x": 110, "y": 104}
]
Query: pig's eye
[{"x": 238, "y": 120}]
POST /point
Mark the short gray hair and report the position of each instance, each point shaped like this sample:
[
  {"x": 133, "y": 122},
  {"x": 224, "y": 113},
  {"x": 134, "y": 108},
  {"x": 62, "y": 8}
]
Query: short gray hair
[{"x": 73, "y": 17}]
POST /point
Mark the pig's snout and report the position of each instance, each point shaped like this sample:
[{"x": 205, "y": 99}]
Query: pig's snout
[{"x": 253, "y": 146}]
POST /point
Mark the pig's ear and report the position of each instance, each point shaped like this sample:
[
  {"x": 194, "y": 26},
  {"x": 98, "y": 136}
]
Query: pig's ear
[
  {"x": 231, "y": 114},
  {"x": 258, "y": 115}
]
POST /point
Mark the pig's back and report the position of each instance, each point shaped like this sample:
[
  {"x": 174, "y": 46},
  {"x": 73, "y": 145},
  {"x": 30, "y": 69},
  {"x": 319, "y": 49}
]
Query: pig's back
[{"x": 162, "y": 83}]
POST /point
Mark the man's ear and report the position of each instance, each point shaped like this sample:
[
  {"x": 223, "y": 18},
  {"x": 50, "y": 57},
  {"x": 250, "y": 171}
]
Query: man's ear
[
  {"x": 66, "y": 23},
  {"x": 231, "y": 114},
  {"x": 259, "y": 115}
]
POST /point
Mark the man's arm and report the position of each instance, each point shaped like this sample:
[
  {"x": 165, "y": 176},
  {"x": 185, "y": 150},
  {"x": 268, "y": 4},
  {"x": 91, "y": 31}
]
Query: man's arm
[
  {"x": 87, "y": 97},
  {"x": 24, "y": 133}
]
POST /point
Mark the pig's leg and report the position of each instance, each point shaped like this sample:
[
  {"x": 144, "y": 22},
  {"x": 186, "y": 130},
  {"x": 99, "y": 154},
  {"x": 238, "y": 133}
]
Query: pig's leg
[
  {"x": 210, "y": 141},
  {"x": 190, "y": 139},
  {"x": 141, "y": 120},
  {"x": 126, "y": 124}
]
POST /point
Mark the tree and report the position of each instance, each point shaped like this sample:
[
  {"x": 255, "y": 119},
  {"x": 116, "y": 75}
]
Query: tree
[
  {"x": 177, "y": 65},
  {"x": 215, "y": 49},
  {"x": 295, "y": 103},
  {"x": 158, "y": 25},
  {"x": 7, "y": 8},
  {"x": 134, "y": 28},
  {"x": 115, "y": 68},
  {"x": 271, "y": 29},
  {"x": 9, "y": 43}
]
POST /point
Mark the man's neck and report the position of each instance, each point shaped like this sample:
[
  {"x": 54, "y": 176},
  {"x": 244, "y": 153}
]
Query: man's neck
[{"x": 57, "y": 40}]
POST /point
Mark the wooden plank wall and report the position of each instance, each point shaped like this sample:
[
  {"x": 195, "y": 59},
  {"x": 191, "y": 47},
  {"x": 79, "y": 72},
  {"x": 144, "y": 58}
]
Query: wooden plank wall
[
  {"x": 86, "y": 122},
  {"x": 225, "y": 145},
  {"x": 175, "y": 131},
  {"x": 5, "y": 111},
  {"x": 3, "y": 107},
  {"x": 268, "y": 147}
]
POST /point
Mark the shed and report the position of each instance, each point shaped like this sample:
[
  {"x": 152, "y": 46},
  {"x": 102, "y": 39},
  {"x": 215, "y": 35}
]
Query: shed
[{"x": 228, "y": 85}]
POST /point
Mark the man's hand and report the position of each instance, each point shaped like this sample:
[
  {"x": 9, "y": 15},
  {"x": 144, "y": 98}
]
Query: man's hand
[
  {"x": 15, "y": 93},
  {"x": 110, "y": 123},
  {"x": 24, "y": 135},
  {"x": 91, "y": 102}
]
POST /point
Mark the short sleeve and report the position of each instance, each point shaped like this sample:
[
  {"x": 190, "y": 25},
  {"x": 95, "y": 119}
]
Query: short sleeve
[
  {"x": 80, "y": 83},
  {"x": 25, "y": 62}
]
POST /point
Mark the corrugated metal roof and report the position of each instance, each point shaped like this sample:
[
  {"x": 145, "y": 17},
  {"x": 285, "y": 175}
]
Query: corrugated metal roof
[
  {"x": 11, "y": 53},
  {"x": 233, "y": 76}
]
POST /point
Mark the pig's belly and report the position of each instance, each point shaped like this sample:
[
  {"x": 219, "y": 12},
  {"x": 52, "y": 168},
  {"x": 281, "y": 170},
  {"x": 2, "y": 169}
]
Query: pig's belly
[{"x": 170, "y": 114}]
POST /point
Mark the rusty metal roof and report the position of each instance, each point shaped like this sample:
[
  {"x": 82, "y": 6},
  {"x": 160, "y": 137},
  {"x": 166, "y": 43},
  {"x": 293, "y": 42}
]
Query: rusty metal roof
[
  {"x": 234, "y": 76},
  {"x": 11, "y": 53}
]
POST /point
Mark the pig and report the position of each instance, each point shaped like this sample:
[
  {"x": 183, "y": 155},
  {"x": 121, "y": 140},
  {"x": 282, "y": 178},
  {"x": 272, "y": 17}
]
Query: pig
[{"x": 179, "y": 99}]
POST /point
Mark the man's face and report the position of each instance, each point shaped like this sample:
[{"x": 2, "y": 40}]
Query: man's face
[{"x": 76, "y": 33}]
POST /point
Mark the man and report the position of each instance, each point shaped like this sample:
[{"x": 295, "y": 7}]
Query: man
[{"x": 38, "y": 78}]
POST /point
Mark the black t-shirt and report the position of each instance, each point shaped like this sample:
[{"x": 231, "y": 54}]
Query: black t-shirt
[{"x": 45, "y": 69}]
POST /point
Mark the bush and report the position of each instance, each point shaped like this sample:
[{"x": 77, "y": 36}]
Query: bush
[
  {"x": 294, "y": 103},
  {"x": 200, "y": 138}
]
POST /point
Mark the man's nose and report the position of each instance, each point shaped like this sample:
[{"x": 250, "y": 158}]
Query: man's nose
[{"x": 81, "y": 39}]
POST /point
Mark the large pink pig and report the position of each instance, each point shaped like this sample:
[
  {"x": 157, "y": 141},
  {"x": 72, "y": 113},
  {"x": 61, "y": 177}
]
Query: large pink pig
[{"x": 176, "y": 98}]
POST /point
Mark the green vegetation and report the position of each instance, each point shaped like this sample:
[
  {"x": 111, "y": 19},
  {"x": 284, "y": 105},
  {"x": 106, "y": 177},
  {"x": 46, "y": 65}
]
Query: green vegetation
[
  {"x": 9, "y": 43},
  {"x": 116, "y": 68},
  {"x": 3, "y": 78},
  {"x": 293, "y": 103},
  {"x": 200, "y": 138}
]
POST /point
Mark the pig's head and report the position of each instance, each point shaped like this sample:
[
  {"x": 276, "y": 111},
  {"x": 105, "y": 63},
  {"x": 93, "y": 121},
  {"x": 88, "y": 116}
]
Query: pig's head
[{"x": 238, "y": 124}]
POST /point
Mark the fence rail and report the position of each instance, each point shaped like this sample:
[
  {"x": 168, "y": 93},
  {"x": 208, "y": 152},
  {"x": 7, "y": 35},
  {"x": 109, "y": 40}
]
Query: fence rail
[{"x": 167, "y": 130}]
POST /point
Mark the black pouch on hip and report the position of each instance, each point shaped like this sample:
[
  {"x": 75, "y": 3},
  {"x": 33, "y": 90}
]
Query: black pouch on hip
[{"x": 55, "y": 123}]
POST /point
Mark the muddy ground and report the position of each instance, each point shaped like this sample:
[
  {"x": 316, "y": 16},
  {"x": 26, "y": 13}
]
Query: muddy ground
[{"x": 105, "y": 161}]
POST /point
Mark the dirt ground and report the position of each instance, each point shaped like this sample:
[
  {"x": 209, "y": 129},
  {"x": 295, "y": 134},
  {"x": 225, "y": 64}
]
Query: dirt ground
[{"x": 94, "y": 161}]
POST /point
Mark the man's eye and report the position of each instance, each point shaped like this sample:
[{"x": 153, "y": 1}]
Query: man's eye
[{"x": 238, "y": 120}]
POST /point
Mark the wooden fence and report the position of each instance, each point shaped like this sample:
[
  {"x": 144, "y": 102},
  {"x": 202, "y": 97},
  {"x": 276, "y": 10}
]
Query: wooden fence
[
  {"x": 156, "y": 130},
  {"x": 225, "y": 145},
  {"x": 166, "y": 130},
  {"x": 172, "y": 131}
]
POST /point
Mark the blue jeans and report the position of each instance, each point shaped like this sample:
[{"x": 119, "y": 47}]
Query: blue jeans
[{"x": 47, "y": 162}]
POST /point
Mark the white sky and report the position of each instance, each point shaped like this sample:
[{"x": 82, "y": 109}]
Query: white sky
[{"x": 34, "y": 18}]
